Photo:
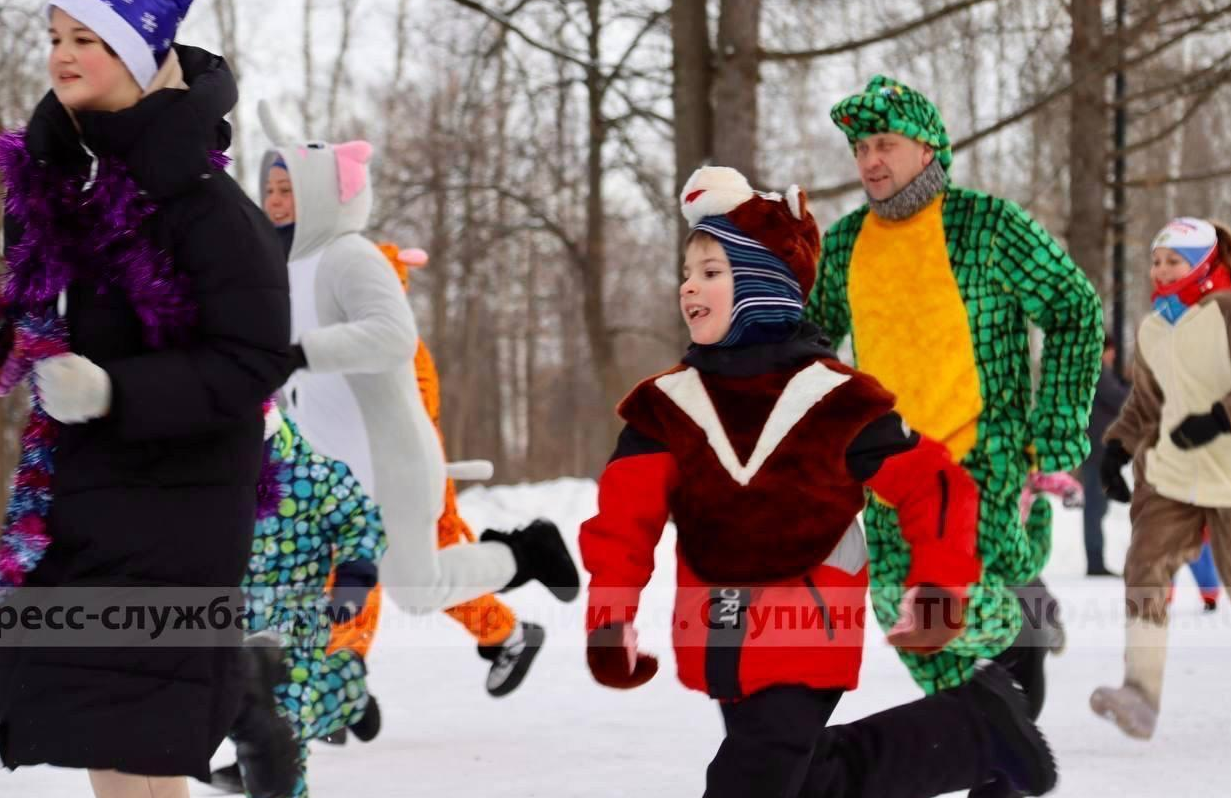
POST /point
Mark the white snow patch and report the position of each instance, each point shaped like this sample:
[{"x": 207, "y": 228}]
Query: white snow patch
[{"x": 561, "y": 735}]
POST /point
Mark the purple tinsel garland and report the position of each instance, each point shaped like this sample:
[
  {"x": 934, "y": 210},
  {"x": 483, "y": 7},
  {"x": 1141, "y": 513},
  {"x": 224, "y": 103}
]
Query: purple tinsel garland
[
  {"x": 71, "y": 233},
  {"x": 270, "y": 490},
  {"x": 270, "y": 487}
]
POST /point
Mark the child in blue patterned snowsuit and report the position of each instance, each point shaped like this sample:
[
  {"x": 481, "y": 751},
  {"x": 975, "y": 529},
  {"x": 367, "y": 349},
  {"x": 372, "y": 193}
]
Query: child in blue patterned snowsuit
[{"x": 322, "y": 519}]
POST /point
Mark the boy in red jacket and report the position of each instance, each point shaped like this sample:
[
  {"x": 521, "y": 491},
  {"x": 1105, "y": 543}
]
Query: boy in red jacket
[{"x": 760, "y": 445}]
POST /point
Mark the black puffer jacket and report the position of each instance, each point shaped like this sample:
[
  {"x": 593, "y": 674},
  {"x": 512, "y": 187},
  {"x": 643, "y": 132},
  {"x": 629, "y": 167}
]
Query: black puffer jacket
[{"x": 161, "y": 492}]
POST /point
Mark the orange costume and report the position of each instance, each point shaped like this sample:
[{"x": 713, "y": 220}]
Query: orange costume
[{"x": 489, "y": 620}]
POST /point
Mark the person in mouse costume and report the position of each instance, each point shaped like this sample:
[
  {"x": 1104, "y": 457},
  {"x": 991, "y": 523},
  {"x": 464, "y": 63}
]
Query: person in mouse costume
[
  {"x": 508, "y": 644},
  {"x": 352, "y": 387}
]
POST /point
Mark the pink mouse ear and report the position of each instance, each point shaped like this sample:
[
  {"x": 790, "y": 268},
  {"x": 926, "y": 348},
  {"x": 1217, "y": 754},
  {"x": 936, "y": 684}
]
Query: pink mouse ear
[
  {"x": 353, "y": 157},
  {"x": 414, "y": 258}
]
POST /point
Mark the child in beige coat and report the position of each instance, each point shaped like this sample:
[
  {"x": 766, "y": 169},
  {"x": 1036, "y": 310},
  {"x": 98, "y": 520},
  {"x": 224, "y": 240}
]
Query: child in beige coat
[{"x": 1174, "y": 429}]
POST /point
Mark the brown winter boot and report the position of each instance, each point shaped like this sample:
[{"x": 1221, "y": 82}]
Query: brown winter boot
[{"x": 1134, "y": 706}]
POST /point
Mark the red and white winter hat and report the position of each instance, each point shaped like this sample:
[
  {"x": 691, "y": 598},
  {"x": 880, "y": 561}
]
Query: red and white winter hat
[{"x": 780, "y": 223}]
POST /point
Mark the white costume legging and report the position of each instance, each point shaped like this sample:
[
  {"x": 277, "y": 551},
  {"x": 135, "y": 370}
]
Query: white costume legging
[{"x": 420, "y": 577}]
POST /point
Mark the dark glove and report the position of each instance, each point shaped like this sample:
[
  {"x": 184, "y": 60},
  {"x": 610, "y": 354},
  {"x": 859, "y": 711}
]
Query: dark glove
[
  {"x": 351, "y": 584},
  {"x": 1201, "y": 428},
  {"x": 1115, "y": 457},
  {"x": 295, "y": 361},
  {"x": 929, "y": 618},
  {"x": 611, "y": 653}
]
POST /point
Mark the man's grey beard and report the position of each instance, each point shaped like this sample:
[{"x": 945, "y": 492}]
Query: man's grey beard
[{"x": 915, "y": 196}]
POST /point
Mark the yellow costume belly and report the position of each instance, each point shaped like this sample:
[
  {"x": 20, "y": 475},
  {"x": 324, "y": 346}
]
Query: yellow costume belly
[{"x": 911, "y": 329}]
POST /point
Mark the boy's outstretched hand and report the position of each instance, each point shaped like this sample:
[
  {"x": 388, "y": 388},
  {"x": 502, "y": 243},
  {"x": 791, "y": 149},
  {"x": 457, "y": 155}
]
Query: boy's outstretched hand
[
  {"x": 929, "y": 619},
  {"x": 611, "y": 653}
]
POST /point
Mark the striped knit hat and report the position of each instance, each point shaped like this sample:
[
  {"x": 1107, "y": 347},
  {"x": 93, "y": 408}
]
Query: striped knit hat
[{"x": 772, "y": 243}]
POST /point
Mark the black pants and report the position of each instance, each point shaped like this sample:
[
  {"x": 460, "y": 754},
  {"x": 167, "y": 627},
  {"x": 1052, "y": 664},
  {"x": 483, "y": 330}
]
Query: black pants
[
  {"x": 771, "y": 742},
  {"x": 777, "y": 746},
  {"x": 1024, "y": 659}
]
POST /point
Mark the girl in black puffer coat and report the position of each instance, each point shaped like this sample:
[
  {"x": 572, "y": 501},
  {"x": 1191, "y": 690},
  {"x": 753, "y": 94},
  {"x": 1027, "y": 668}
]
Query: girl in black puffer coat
[{"x": 148, "y": 303}]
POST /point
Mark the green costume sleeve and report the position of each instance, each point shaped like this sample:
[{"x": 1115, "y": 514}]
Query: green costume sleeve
[
  {"x": 828, "y": 306},
  {"x": 1055, "y": 295}
]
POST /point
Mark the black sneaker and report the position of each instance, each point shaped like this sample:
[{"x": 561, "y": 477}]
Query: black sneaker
[
  {"x": 1019, "y": 751},
  {"x": 367, "y": 727},
  {"x": 540, "y": 553},
  {"x": 227, "y": 779},
  {"x": 511, "y": 663}
]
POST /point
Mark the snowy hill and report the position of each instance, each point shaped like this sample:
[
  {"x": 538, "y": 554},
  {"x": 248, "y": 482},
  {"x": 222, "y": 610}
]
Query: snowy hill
[{"x": 563, "y": 736}]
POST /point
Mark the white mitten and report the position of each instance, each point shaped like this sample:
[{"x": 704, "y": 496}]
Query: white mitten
[{"x": 73, "y": 389}]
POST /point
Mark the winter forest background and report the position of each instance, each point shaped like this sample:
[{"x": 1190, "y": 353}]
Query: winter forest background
[{"x": 535, "y": 149}]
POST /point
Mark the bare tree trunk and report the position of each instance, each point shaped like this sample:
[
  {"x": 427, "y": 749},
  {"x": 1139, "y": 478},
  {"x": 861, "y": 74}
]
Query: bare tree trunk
[
  {"x": 972, "y": 59},
  {"x": 593, "y": 271},
  {"x": 735, "y": 86},
  {"x": 403, "y": 44},
  {"x": 338, "y": 77},
  {"x": 693, "y": 82},
  {"x": 228, "y": 34},
  {"x": 440, "y": 243},
  {"x": 1088, "y": 144},
  {"x": 467, "y": 398},
  {"x": 530, "y": 336},
  {"x": 573, "y": 378},
  {"x": 495, "y": 407},
  {"x": 504, "y": 394},
  {"x": 309, "y": 91},
  {"x": 693, "y": 74}
]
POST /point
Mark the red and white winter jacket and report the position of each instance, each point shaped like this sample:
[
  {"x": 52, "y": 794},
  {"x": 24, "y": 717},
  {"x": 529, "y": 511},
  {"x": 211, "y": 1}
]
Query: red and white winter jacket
[{"x": 761, "y": 455}]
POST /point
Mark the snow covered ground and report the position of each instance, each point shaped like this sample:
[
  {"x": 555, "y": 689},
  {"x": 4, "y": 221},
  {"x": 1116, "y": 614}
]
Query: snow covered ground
[{"x": 563, "y": 736}]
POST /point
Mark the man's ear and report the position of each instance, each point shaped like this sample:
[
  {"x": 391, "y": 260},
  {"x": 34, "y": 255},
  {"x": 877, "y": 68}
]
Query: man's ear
[{"x": 928, "y": 155}]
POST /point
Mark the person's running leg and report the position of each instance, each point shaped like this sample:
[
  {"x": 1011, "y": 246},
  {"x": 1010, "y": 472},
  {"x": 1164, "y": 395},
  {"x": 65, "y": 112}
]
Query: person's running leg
[
  {"x": 113, "y": 784},
  {"x": 771, "y": 736},
  {"x": 954, "y": 739}
]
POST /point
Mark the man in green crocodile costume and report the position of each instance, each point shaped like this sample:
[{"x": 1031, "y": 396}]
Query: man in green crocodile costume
[{"x": 935, "y": 284}]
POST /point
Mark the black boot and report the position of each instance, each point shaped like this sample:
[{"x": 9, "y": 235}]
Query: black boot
[
  {"x": 998, "y": 787},
  {"x": 511, "y": 661},
  {"x": 540, "y": 553},
  {"x": 264, "y": 742},
  {"x": 1019, "y": 752},
  {"x": 1025, "y": 660},
  {"x": 367, "y": 727},
  {"x": 336, "y": 738},
  {"x": 954, "y": 740}
]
